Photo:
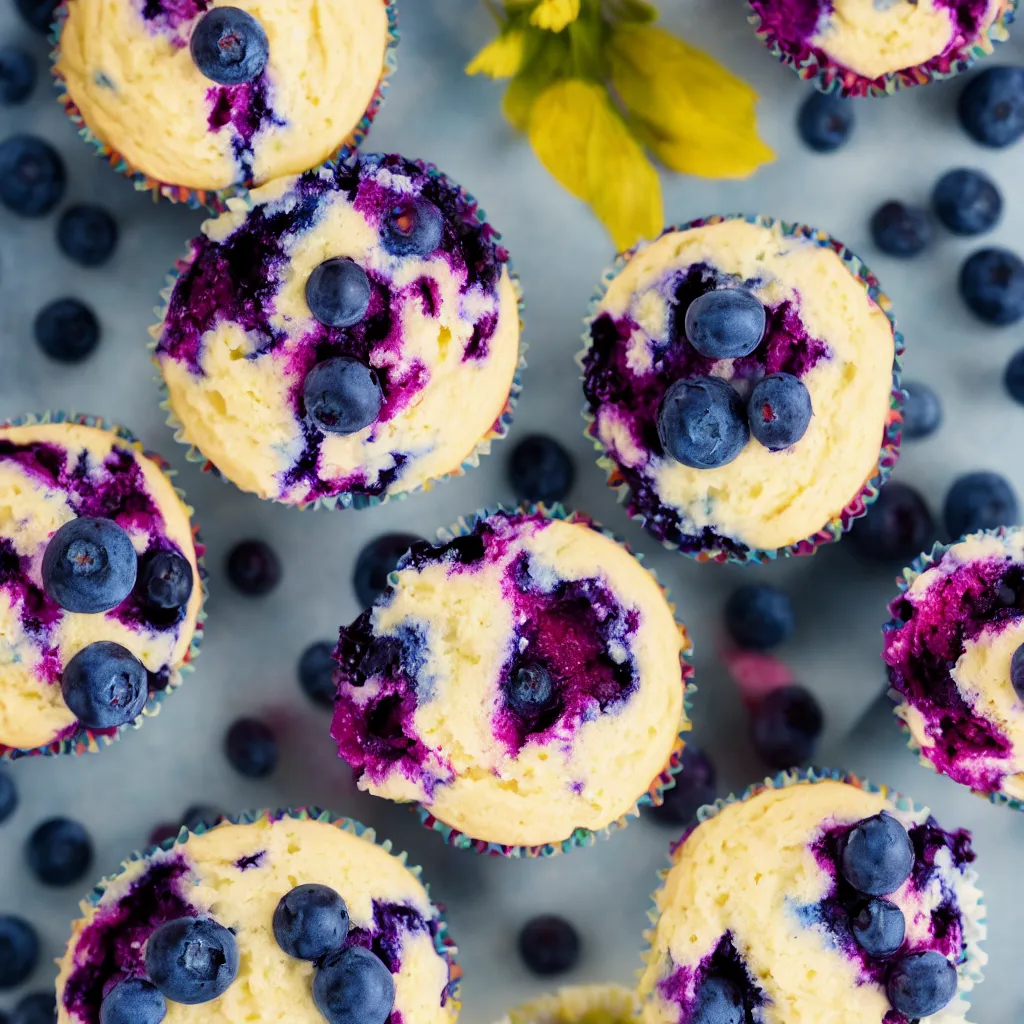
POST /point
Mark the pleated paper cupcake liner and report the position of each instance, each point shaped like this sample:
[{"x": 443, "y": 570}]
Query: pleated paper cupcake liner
[
  {"x": 858, "y": 505},
  {"x": 817, "y": 67},
  {"x": 213, "y": 199},
  {"x": 666, "y": 778},
  {"x": 78, "y": 739},
  {"x": 609, "y": 1004}
]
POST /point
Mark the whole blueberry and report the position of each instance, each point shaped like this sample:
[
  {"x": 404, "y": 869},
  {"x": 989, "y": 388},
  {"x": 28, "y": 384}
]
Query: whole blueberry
[
  {"x": 779, "y": 411},
  {"x": 968, "y": 202},
  {"x": 17, "y": 75},
  {"x": 725, "y": 323},
  {"x": 59, "y": 851},
  {"x": 162, "y": 833},
  {"x": 530, "y": 690},
  {"x": 696, "y": 785},
  {"x": 922, "y": 411},
  {"x": 36, "y": 1008},
  {"x": 825, "y": 121},
  {"x": 1017, "y": 671},
  {"x": 877, "y": 855},
  {"x": 19, "y": 950},
  {"x": 376, "y": 562},
  {"x": 253, "y": 568},
  {"x": 316, "y": 674},
  {"x": 897, "y": 527},
  {"x": 992, "y": 286},
  {"x": 759, "y": 617},
  {"x": 549, "y": 945},
  {"x": 785, "y": 727},
  {"x": 165, "y": 580},
  {"x": 67, "y": 330},
  {"x": 353, "y": 986},
  {"x": 32, "y": 176},
  {"x": 8, "y": 795},
  {"x": 1014, "y": 377},
  {"x": 980, "y": 501},
  {"x": 991, "y": 106},
  {"x": 133, "y": 1001},
  {"x": 901, "y": 230},
  {"x": 200, "y": 814},
  {"x": 879, "y": 928},
  {"x": 87, "y": 234},
  {"x": 342, "y": 395},
  {"x": 719, "y": 1001},
  {"x": 251, "y": 748},
  {"x": 702, "y": 423},
  {"x": 310, "y": 921},
  {"x": 338, "y": 292},
  {"x": 540, "y": 470},
  {"x": 39, "y": 14},
  {"x": 192, "y": 959},
  {"x": 105, "y": 685},
  {"x": 412, "y": 227},
  {"x": 921, "y": 984},
  {"x": 229, "y": 46}
]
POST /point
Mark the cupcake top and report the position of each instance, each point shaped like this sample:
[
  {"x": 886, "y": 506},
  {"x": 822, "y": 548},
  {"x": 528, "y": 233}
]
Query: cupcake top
[
  {"x": 99, "y": 583},
  {"x": 207, "y": 96},
  {"x": 813, "y": 902},
  {"x": 740, "y": 380},
  {"x": 579, "y": 1004},
  {"x": 521, "y": 681},
  {"x": 324, "y": 342},
  {"x": 952, "y": 650},
  {"x": 253, "y": 905}
]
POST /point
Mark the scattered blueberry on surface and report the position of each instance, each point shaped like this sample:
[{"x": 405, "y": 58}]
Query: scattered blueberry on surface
[
  {"x": 967, "y": 201},
  {"x": 59, "y": 852},
  {"x": 253, "y": 568},
  {"x": 980, "y": 501},
  {"x": 105, "y": 685},
  {"x": 725, "y": 323},
  {"x": 342, "y": 395},
  {"x": 412, "y": 227},
  {"x": 354, "y": 986},
  {"x": 702, "y": 423},
  {"x": 19, "y": 950},
  {"x": 17, "y": 75},
  {"x": 251, "y": 748},
  {"x": 549, "y": 945},
  {"x": 540, "y": 470},
  {"x": 316, "y": 673},
  {"x": 67, "y": 330},
  {"x": 87, "y": 234},
  {"x": 192, "y": 959},
  {"x": 338, "y": 292},
  {"x": 991, "y": 106},
  {"x": 759, "y": 617},
  {"x": 779, "y": 411},
  {"x": 877, "y": 855},
  {"x": 992, "y": 286},
  {"x": 310, "y": 921},
  {"x": 36, "y": 1008},
  {"x": 826, "y": 121},
  {"x": 200, "y": 814},
  {"x": 901, "y": 230},
  {"x": 8, "y": 795},
  {"x": 1014, "y": 377},
  {"x": 530, "y": 690},
  {"x": 162, "y": 832},
  {"x": 879, "y": 928},
  {"x": 38, "y": 14},
  {"x": 897, "y": 527},
  {"x": 229, "y": 46},
  {"x": 719, "y": 1001},
  {"x": 32, "y": 176},
  {"x": 922, "y": 411},
  {"x": 921, "y": 984},
  {"x": 89, "y": 566},
  {"x": 133, "y": 1001},
  {"x": 696, "y": 785},
  {"x": 165, "y": 580},
  {"x": 376, "y": 562},
  {"x": 785, "y": 727}
]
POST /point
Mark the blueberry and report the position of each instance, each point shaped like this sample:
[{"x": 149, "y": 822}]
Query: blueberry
[
  {"x": 540, "y": 470},
  {"x": 921, "y": 984},
  {"x": 200, "y": 814},
  {"x": 376, "y": 562},
  {"x": 8, "y": 795},
  {"x": 163, "y": 832},
  {"x": 785, "y": 727},
  {"x": 779, "y": 411},
  {"x": 1014, "y": 377},
  {"x": 549, "y": 945},
  {"x": 253, "y": 568},
  {"x": 36, "y": 1008},
  {"x": 901, "y": 230},
  {"x": 825, "y": 121},
  {"x": 17, "y": 75},
  {"x": 530, "y": 690},
  {"x": 251, "y": 748},
  {"x": 1017, "y": 671},
  {"x": 702, "y": 423},
  {"x": 133, "y": 1001},
  {"x": 980, "y": 501},
  {"x": 879, "y": 928},
  {"x": 353, "y": 986},
  {"x": 316, "y": 673},
  {"x": 19, "y": 950},
  {"x": 922, "y": 411},
  {"x": 719, "y": 1001},
  {"x": 59, "y": 851},
  {"x": 105, "y": 685},
  {"x": 877, "y": 855},
  {"x": 968, "y": 202},
  {"x": 412, "y": 227},
  {"x": 725, "y": 323},
  {"x": 696, "y": 785},
  {"x": 32, "y": 176},
  {"x": 192, "y": 959},
  {"x": 67, "y": 330},
  {"x": 165, "y": 580},
  {"x": 87, "y": 234},
  {"x": 229, "y": 46},
  {"x": 342, "y": 395},
  {"x": 991, "y": 106},
  {"x": 897, "y": 527},
  {"x": 759, "y": 617},
  {"x": 39, "y": 14},
  {"x": 338, "y": 292},
  {"x": 310, "y": 921},
  {"x": 992, "y": 286}
]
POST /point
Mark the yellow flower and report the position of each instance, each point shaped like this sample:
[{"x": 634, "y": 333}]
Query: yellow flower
[
  {"x": 501, "y": 57},
  {"x": 554, "y": 15}
]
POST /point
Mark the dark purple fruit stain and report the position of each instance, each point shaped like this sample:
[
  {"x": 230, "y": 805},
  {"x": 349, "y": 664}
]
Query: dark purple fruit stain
[
  {"x": 682, "y": 987},
  {"x": 252, "y": 860}
]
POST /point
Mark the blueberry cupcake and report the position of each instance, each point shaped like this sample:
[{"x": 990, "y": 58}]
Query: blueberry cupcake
[
  {"x": 741, "y": 383},
  {"x": 294, "y": 916},
  {"x": 523, "y": 682},
  {"x": 100, "y": 593},
  {"x": 320, "y": 337},
  {"x": 872, "y": 48},
  {"x": 815, "y": 897},
  {"x": 197, "y": 99},
  {"x": 579, "y": 1004}
]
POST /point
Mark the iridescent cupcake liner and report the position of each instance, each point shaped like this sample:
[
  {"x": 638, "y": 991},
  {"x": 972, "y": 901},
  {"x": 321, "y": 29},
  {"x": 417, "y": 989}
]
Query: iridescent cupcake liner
[
  {"x": 827, "y": 76},
  {"x": 664, "y": 781},
  {"x": 497, "y": 432},
  {"x": 857, "y": 507},
  {"x": 213, "y": 199},
  {"x": 81, "y": 740},
  {"x": 972, "y": 960},
  {"x": 576, "y": 1003}
]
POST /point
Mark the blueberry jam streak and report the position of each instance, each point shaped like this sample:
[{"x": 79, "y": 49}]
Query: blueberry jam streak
[
  {"x": 172, "y": 18},
  {"x": 252, "y": 860},
  {"x": 247, "y": 110},
  {"x": 926, "y": 637},
  {"x": 682, "y": 986}
]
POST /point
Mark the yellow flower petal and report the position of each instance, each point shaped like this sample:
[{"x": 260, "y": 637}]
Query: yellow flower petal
[
  {"x": 560, "y": 127},
  {"x": 554, "y": 15},
  {"x": 501, "y": 57}
]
